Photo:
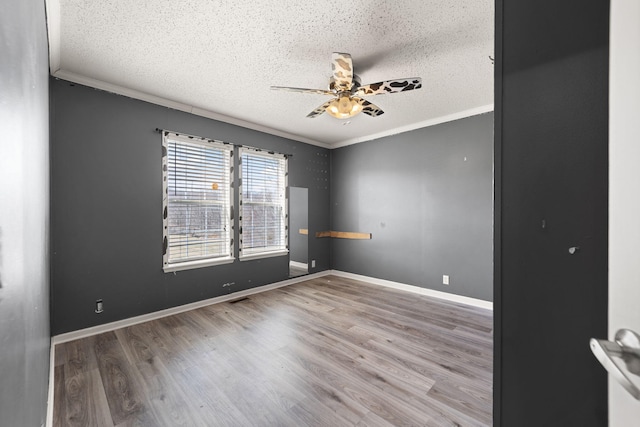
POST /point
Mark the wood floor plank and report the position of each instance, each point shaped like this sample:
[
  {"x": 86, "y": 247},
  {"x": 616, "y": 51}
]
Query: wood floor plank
[
  {"x": 206, "y": 394},
  {"x": 397, "y": 300},
  {"x": 134, "y": 345},
  {"x": 373, "y": 420},
  {"x": 60, "y": 397},
  {"x": 60, "y": 355},
  {"x": 325, "y": 385},
  {"x": 365, "y": 386},
  {"x": 325, "y": 352},
  {"x": 79, "y": 358},
  {"x": 456, "y": 397},
  {"x": 119, "y": 383},
  {"x": 156, "y": 334},
  {"x": 165, "y": 399},
  {"x": 98, "y": 415},
  {"x": 85, "y": 401},
  {"x": 313, "y": 412}
]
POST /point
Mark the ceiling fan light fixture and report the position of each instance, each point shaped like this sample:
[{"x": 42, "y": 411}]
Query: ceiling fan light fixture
[{"x": 344, "y": 107}]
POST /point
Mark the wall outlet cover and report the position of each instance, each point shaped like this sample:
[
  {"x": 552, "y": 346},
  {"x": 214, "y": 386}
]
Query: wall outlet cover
[{"x": 445, "y": 279}]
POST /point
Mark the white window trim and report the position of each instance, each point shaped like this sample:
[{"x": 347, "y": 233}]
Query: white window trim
[
  {"x": 169, "y": 267},
  {"x": 190, "y": 265},
  {"x": 259, "y": 255},
  {"x": 254, "y": 254}
]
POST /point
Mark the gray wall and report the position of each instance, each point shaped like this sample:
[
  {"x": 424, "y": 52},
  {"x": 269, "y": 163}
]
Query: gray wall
[
  {"x": 551, "y": 165},
  {"x": 24, "y": 214},
  {"x": 426, "y": 196},
  {"x": 107, "y": 202}
]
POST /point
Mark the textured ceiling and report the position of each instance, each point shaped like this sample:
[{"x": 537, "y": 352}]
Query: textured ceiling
[{"x": 219, "y": 58}]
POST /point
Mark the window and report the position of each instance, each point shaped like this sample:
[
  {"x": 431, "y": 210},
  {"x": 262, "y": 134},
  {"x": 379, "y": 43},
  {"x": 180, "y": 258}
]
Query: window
[
  {"x": 197, "y": 205},
  {"x": 263, "y": 207}
]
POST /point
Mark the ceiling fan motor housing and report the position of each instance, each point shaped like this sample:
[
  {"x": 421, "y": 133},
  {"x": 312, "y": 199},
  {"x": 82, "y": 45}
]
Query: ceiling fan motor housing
[{"x": 355, "y": 84}]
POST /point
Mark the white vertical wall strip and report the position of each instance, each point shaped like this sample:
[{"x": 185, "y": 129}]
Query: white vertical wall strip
[{"x": 624, "y": 191}]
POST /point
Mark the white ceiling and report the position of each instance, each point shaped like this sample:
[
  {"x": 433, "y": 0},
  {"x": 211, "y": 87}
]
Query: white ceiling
[{"x": 218, "y": 58}]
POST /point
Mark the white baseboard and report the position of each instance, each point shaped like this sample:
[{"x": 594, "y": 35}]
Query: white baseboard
[
  {"x": 416, "y": 289},
  {"x": 299, "y": 264},
  {"x": 94, "y": 330},
  {"x": 49, "y": 419}
]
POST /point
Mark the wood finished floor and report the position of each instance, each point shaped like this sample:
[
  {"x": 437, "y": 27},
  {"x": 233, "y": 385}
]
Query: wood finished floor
[{"x": 325, "y": 352}]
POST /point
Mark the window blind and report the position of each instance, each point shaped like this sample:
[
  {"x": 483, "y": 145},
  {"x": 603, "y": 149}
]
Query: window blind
[
  {"x": 263, "y": 219},
  {"x": 197, "y": 220}
]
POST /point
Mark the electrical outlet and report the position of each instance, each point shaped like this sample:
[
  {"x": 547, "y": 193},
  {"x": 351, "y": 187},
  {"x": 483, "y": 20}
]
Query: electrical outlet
[
  {"x": 313, "y": 263},
  {"x": 99, "y": 307},
  {"x": 445, "y": 279}
]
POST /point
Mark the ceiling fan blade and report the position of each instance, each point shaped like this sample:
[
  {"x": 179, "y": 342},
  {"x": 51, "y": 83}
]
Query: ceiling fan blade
[
  {"x": 370, "y": 109},
  {"x": 303, "y": 90},
  {"x": 389, "y": 86},
  {"x": 342, "y": 68},
  {"x": 318, "y": 111}
]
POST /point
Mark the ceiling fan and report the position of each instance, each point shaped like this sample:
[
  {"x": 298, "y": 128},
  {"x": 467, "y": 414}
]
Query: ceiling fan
[{"x": 345, "y": 86}]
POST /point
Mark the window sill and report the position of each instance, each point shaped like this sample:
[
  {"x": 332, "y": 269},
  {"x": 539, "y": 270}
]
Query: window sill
[
  {"x": 190, "y": 265},
  {"x": 259, "y": 255}
]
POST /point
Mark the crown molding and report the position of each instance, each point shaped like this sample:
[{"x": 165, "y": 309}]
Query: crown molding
[
  {"x": 142, "y": 96},
  {"x": 52, "y": 11},
  {"x": 427, "y": 123}
]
